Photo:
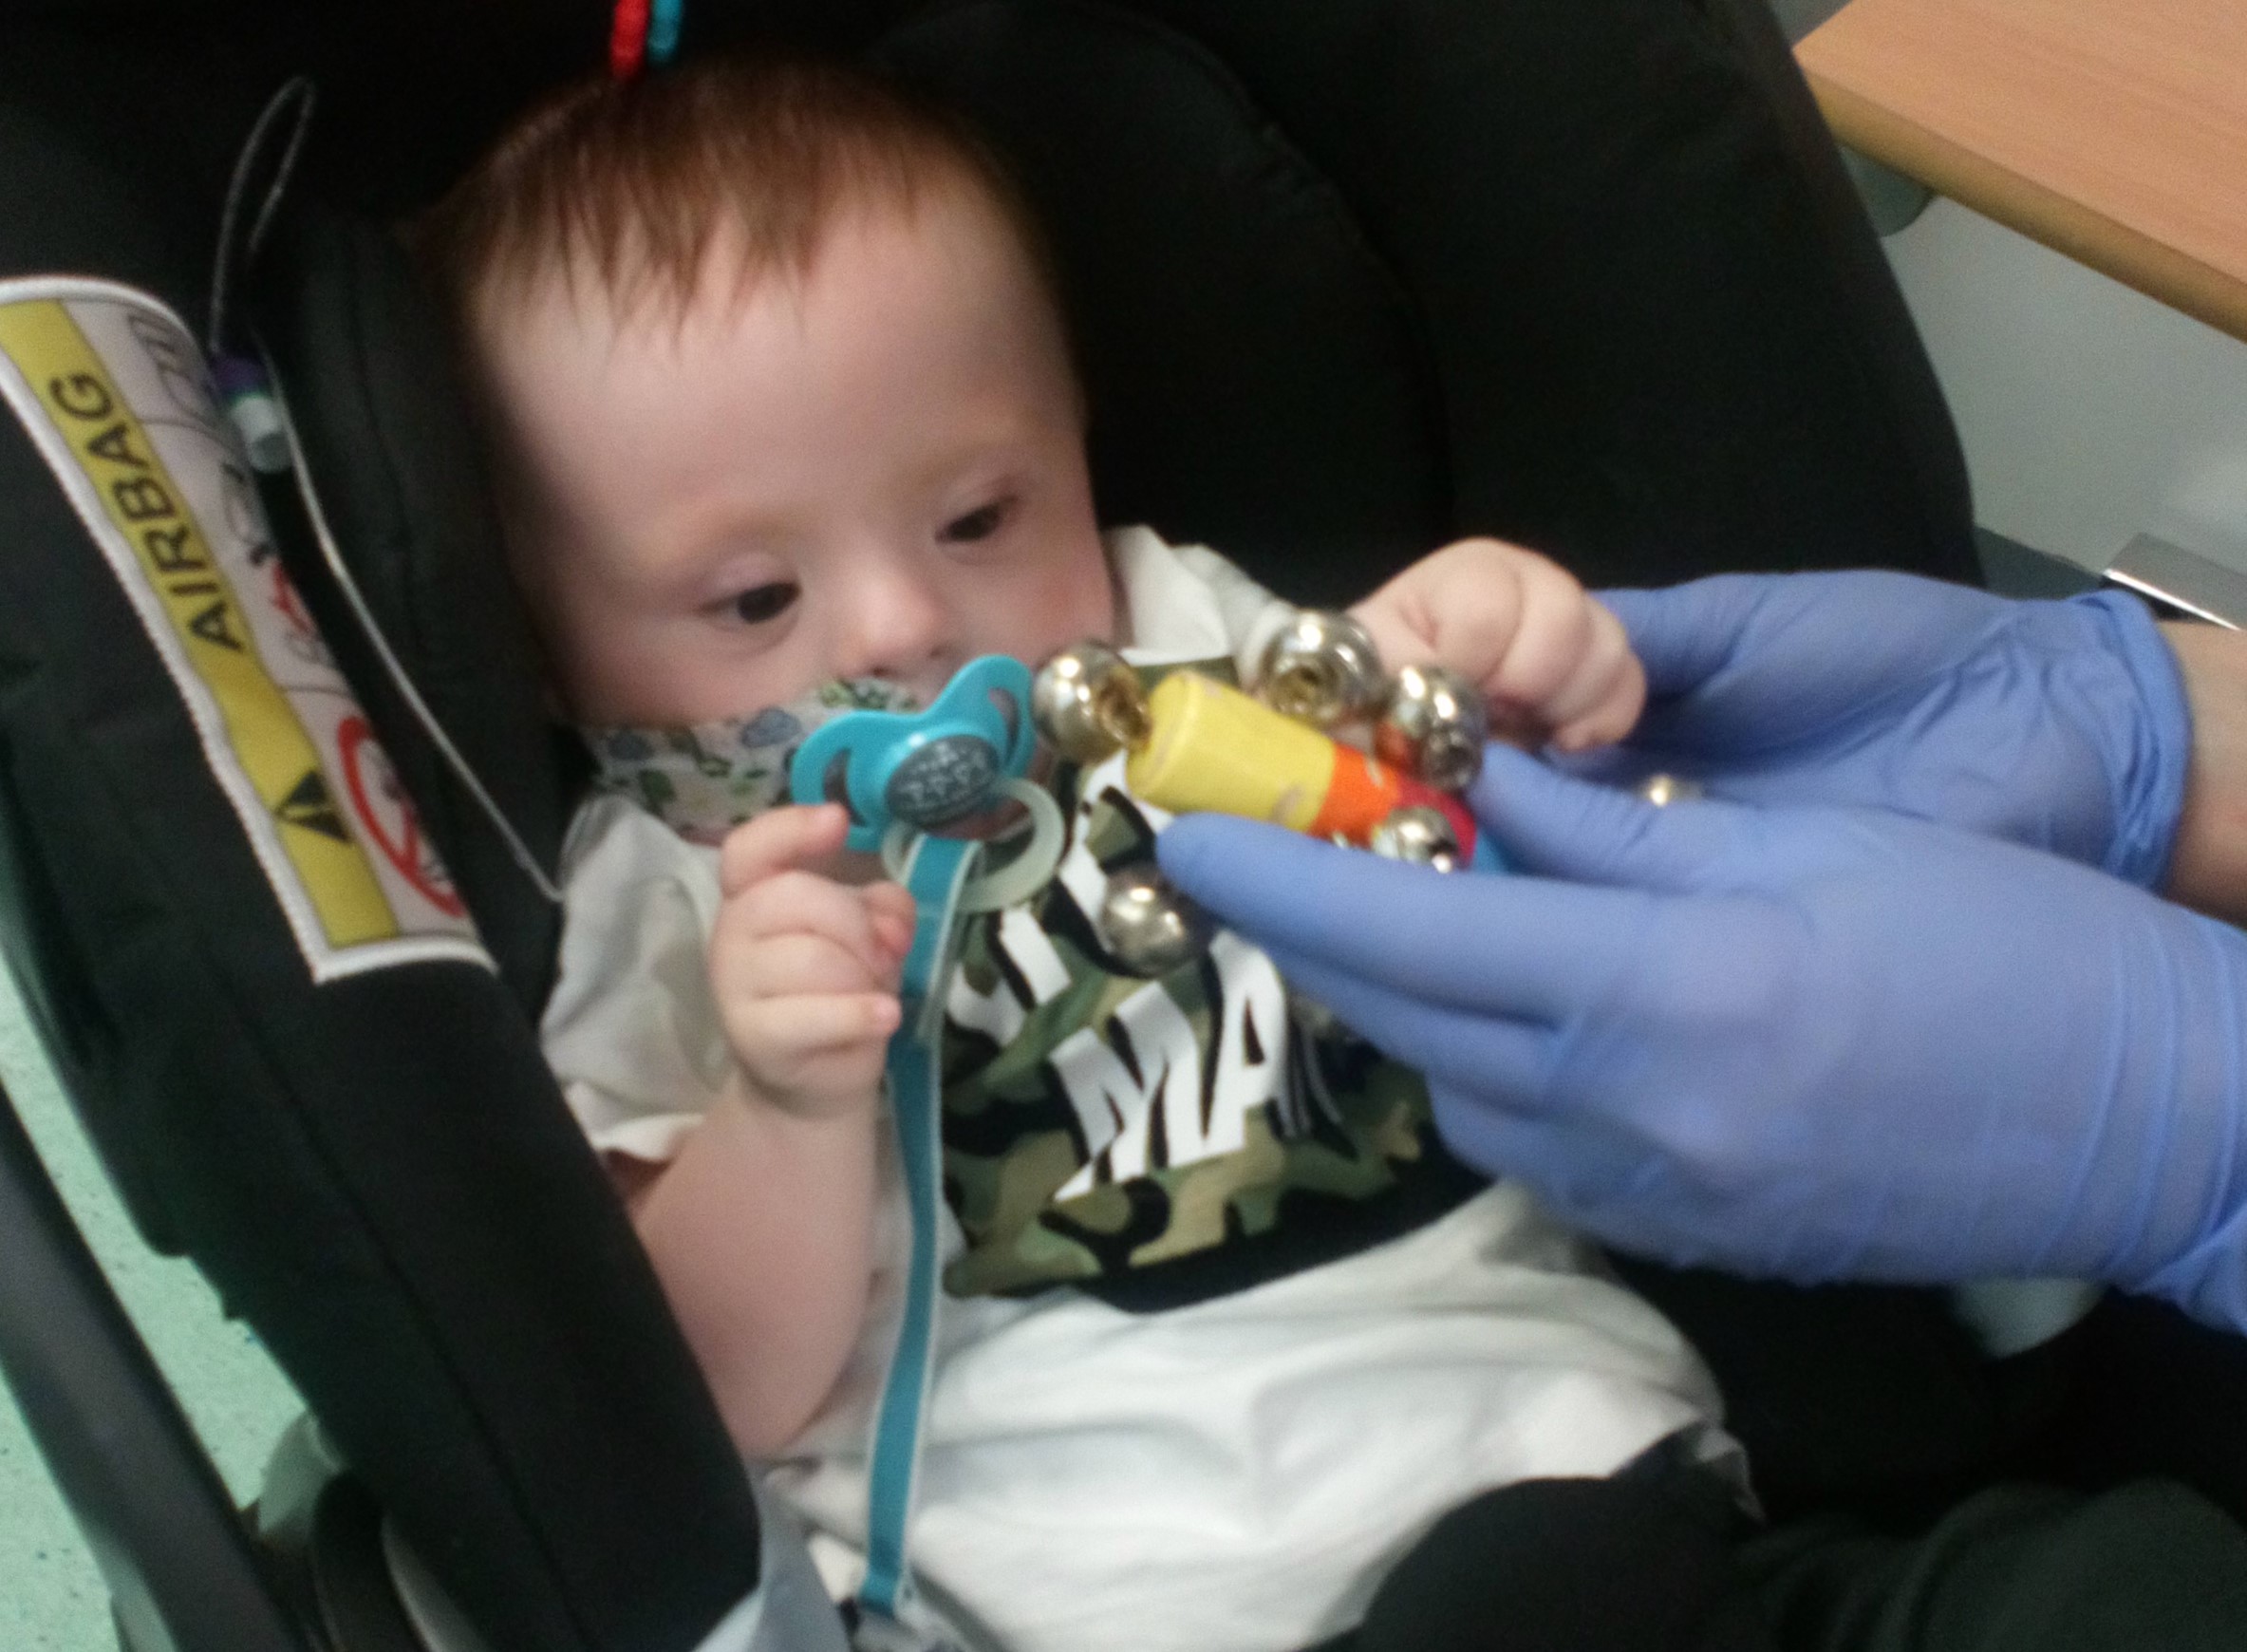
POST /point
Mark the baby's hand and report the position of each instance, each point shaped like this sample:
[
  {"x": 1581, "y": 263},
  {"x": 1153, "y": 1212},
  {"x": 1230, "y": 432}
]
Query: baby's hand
[
  {"x": 1553, "y": 664},
  {"x": 805, "y": 969}
]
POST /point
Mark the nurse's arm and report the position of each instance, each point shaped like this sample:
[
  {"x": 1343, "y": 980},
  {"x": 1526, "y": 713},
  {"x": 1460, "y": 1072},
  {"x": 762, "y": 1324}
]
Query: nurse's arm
[{"x": 2208, "y": 869}]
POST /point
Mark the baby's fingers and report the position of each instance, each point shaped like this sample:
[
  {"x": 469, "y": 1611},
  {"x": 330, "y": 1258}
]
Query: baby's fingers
[
  {"x": 1398, "y": 638},
  {"x": 802, "y": 904},
  {"x": 789, "y": 965},
  {"x": 1553, "y": 631},
  {"x": 777, "y": 840},
  {"x": 812, "y": 1052},
  {"x": 890, "y": 914},
  {"x": 1602, "y": 698},
  {"x": 801, "y": 1026}
]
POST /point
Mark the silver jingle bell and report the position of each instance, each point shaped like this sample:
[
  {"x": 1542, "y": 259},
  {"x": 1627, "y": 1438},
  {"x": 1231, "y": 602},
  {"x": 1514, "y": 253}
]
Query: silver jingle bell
[
  {"x": 1322, "y": 668},
  {"x": 1418, "y": 835},
  {"x": 1433, "y": 725},
  {"x": 1087, "y": 703},
  {"x": 1148, "y": 926},
  {"x": 1664, "y": 790}
]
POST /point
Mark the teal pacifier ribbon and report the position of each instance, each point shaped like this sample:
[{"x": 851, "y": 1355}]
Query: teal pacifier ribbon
[
  {"x": 914, "y": 771},
  {"x": 936, "y": 873}
]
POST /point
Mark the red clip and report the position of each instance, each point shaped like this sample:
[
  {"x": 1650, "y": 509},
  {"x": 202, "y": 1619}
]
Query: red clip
[{"x": 627, "y": 39}]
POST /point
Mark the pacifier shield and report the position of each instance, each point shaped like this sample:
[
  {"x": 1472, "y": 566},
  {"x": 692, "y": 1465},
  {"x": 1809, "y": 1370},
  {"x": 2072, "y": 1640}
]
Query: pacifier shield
[
  {"x": 940, "y": 781},
  {"x": 923, "y": 769}
]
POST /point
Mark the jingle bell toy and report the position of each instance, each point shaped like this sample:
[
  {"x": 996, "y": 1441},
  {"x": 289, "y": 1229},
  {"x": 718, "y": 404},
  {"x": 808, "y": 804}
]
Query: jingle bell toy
[
  {"x": 1197, "y": 744},
  {"x": 1213, "y": 748},
  {"x": 1148, "y": 926},
  {"x": 1433, "y": 723},
  {"x": 1322, "y": 668},
  {"x": 1420, "y": 836},
  {"x": 1664, "y": 790},
  {"x": 1087, "y": 703}
]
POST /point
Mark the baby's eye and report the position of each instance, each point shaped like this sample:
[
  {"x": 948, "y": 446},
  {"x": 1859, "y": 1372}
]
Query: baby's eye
[
  {"x": 980, "y": 523},
  {"x": 763, "y": 602}
]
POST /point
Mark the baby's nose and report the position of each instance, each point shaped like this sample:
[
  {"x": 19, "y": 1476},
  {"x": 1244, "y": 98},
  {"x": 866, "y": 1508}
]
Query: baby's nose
[{"x": 899, "y": 627}]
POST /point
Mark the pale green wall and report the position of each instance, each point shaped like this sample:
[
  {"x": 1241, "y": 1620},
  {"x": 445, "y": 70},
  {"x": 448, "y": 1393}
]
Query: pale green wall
[{"x": 51, "y": 1599}]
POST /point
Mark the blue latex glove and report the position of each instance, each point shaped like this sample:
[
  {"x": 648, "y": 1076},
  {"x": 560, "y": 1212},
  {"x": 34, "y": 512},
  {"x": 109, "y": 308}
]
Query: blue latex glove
[
  {"x": 2059, "y": 724},
  {"x": 1812, "y": 1043}
]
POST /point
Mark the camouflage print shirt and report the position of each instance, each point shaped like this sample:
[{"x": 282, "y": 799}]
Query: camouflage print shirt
[
  {"x": 1156, "y": 1141},
  {"x": 1151, "y": 1142}
]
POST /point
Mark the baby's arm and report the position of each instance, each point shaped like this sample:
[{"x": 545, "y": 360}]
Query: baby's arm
[
  {"x": 1553, "y": 663},
  {"x": 762, "y": 1228}
]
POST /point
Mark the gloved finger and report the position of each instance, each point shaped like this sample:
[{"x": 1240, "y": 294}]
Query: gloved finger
[
  {"x": 1552, "y": 824},
  {"x": 1685, "y": 634},
  {"x": 1748, "y": 661},
  {"x": 1627, "y": 1193},
  {"x": 1589, "y": 1178},
  {"x": 1485, "y": 942},
  {"x": 1623, "y": 766},
  {"x": 1496, "y": 1056}
]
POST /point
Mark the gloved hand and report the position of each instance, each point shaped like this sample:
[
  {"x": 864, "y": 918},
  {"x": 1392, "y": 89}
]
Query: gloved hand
[
  {"x": 1811, "y": 1043},
  {"x": 2058, "y": 725}
]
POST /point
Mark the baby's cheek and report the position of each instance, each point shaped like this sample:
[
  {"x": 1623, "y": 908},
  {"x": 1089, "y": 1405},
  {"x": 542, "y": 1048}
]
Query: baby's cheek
[{"x": 1075, "y": 597}]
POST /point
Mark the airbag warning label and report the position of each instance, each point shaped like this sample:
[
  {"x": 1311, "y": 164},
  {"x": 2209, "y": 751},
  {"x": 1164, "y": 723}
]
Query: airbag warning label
[{"x": 115, "y": 396}]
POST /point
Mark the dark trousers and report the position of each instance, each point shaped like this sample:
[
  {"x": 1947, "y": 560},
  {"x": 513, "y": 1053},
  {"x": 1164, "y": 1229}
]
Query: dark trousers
[
  {"x": 1872, "y": 1400},
  {"x": 1663, "y": 1562}
]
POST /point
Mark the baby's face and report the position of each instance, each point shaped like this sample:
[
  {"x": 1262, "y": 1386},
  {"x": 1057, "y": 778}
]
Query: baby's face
[{"x": 877, "y": 471}]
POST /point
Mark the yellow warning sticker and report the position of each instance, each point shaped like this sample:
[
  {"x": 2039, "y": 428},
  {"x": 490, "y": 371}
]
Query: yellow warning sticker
[{"x": 114, "y": 393}]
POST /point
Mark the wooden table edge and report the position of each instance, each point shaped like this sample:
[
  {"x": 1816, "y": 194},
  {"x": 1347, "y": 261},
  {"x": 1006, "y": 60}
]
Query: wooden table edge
[{"x": 2068, "y": 227}]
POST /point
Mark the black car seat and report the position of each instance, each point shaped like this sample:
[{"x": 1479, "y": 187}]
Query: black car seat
[{"x": 1350, "y": 278}]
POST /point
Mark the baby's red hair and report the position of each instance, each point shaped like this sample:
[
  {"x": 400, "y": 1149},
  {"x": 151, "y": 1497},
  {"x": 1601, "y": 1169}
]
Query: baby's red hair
[{"x": 634, "y": 182}]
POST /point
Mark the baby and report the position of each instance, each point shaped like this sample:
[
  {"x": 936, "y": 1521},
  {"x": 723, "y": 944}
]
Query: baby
[{"x": 785, "y": 421}]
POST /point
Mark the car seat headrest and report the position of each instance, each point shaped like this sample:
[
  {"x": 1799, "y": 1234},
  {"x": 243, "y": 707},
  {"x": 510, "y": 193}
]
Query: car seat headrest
[{"x": 1259, "y": 380}]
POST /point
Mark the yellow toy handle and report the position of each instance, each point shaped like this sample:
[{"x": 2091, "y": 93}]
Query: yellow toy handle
[{"x": 1211, "y": 747}]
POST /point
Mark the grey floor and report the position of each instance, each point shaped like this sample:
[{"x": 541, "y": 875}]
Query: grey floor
[{"x": 51, "y": 1599}]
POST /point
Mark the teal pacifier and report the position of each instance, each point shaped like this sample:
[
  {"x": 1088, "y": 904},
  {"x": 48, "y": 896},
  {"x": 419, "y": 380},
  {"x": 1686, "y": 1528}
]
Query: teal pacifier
[{"x": 900, "y": 773}]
